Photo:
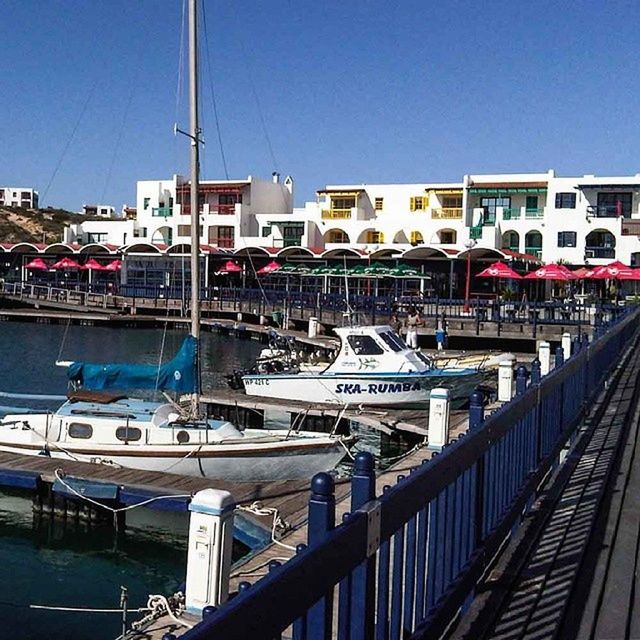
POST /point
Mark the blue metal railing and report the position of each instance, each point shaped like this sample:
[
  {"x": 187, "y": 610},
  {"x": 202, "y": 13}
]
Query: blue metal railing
[{"x": 403, "y": 563}]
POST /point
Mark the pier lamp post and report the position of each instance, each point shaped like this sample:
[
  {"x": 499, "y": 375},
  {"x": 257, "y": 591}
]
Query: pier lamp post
[{"x": 469, "y": 244}]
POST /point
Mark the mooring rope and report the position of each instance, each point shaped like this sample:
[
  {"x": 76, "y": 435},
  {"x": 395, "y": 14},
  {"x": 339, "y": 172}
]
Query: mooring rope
[{"x": 257, "y": 509}]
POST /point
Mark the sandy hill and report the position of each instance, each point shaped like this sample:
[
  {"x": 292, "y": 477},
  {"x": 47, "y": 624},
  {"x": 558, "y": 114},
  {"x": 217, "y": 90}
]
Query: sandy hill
[{"x": 43, "y": 225}]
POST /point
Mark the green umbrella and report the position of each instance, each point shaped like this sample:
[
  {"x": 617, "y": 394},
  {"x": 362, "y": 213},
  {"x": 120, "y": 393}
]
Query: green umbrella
[
  {"x": 376, "y": 269},
  {"x": 404, "y": 271},
  {"x": 358, "y": 270},
  {"x": 294, "y": 268}
]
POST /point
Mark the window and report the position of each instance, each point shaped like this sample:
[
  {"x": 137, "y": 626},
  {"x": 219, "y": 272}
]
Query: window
[
  {"x": 379, "y": 204},
  {"x": 343, "y": 203},
  {"x": 226, "y": 237},
  {"x": 565, "y": 200},
  {"x": 292, "y": 234},
  {"x": 182, "y": 437},
  {"x": 393, "y": 341},
  {"x": 374, "y": 237},
  {"x": 612, "y": 204},
  {"x": 452, "y": 202},
  {"x": 184, "y": 229},
  {"x": 418, "y": 203},
  {"x": 266, "y": 231},
  {"x": 490, "y": 204},
  {"x": 447, "y": 237},
  {"x": 25, "y": 195},
  {"x": 364, "y": 346},
  {"x": 146, "y": 203},
  {"x": 229, "y": 198},
  {"x": 128, "y": 434},
  {"x": 80, "y": 430},
  {"x": 416, "y": 238},
  {"x": 97, "y": 237},
  {"x": 567, "y": 238},
  {"x": 104, "y": 211}
]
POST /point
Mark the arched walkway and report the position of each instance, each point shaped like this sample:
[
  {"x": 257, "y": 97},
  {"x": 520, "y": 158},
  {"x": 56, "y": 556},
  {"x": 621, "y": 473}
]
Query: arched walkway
[{"x": 336, "y": 236}]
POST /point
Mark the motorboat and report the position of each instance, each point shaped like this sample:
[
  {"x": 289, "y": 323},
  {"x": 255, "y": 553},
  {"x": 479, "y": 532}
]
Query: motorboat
[
  {"x": 373, "y": 366},
  {"x": 101, "y": 423}
]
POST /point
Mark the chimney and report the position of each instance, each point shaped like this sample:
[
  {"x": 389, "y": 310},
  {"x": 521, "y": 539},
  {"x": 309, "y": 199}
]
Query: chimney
[{"x": 275, "y": 176}]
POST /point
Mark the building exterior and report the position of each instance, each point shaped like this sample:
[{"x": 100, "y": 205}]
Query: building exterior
[
  {"x": 24, "y": 197},
  {"x": 99, "y": 210},
  {"x": 228, "y": 209},
  {"x": 585, "y": 220}
]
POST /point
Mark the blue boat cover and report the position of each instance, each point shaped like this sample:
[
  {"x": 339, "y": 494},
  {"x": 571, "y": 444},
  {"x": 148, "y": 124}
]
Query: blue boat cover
[{"x": 179, "y": 375}]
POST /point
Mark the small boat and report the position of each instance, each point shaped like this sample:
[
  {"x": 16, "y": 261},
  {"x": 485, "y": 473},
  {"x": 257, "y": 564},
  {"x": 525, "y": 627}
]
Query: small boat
[{"x": 373, "y": 366}]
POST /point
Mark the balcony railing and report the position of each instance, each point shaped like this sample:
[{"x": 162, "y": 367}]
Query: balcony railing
[
  {"x": 631, "y": 227},
  {"x": 607, "y": 211},
  {"x": 600, "y": 252},
  {"x": 516, "y": 213},
  {"x": 223, "y": 209},
  {"x": 447, "y": 213},
  {"x": 161, "y": 212},
  {"x": 336, "y": 214},
  {"x": 489, "y": 219},
  {"x": 224, "y": 243},
  {"x": 475, "y": 233},
  {"x": 534, "y": 251}
]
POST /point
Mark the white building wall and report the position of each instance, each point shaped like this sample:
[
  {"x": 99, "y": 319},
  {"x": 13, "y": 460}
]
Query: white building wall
[
  {"x": 25, "y": 197},
  {"x": 116, "y": 232}
]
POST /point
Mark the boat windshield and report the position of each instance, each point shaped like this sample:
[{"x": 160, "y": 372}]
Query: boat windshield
[
  {"x": 364, "y": 346},
  {"x": 394, "y": 342}
]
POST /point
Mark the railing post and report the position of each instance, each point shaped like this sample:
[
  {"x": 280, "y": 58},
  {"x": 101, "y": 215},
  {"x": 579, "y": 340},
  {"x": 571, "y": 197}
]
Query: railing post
[
  {"x": 439, "y": 403},
  {"x": 476, "y": 410},
  {"x": 521, "y": 379},
  {"x": 322, "y": 518},
  {"x": 536, "y": 372},
  {"x": 505, "y": 381},
  {"x": 362, "y": 610},
  {"x": 544, "y": 355},
  {"x": 559, "y": 357}
]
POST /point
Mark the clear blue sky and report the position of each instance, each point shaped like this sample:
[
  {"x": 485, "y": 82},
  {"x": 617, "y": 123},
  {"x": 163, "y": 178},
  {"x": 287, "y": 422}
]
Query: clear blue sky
[{"x": 356, "y": 91}]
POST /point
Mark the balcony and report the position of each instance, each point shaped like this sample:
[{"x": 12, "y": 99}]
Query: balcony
[
  {"x": 447, "y": 213},
  {"x": 512, "y": 213},
  {"x": 600, "y": 252},
  {"x": 534, "y": 251},
  {"x": 162, "y": 212},
  {"x": 534, "y": 213},
  {"x": 607, "y": 211},
  {"x": 336, "y": 214},
  {"x": 489, "y": 219},
  {"x": 475, "y": 233},
  {"x": 223, "y": 209}
]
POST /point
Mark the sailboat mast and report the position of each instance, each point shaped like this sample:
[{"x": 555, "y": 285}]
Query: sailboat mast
[{"x": 194, "y": 133}]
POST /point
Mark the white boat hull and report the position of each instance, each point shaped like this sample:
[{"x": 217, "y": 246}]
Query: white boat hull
[
  {"x": 355, "y": 390},
  {"x": 257, "y": 466}
]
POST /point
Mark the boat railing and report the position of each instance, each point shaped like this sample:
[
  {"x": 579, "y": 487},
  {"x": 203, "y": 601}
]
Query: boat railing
[{"x": 407, "y": 560}]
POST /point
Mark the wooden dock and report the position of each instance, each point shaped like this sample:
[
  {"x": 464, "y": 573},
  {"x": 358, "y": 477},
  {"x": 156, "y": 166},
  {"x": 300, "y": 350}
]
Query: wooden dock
[{"x": 295, "y": 514}]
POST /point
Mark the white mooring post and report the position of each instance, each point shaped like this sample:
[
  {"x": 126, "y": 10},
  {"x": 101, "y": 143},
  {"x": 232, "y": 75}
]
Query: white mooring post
[
  {"x": 313, "y": 327},
  {"x": 566, "y": 345},
  {"x": 209, "y": 552},
  {"x": 438, "y": 418},
  {"x": 505, "y": 381},
  {"x": 544, "y": 355}
]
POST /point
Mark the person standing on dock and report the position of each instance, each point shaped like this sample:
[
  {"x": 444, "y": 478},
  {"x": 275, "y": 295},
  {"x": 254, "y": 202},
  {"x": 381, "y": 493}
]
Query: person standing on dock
[
  {"x": 395, "y": 323},
  {"x": 414, "y": 320}
]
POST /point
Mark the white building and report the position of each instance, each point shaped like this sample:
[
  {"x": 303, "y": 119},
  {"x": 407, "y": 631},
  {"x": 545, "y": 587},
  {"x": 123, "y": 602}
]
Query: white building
[
  {"x": 581, "y": 220},
  {"x": 24, "y": 197},
  {"x": 231, "y": 211},
  {"x": 99, "y": 210}
]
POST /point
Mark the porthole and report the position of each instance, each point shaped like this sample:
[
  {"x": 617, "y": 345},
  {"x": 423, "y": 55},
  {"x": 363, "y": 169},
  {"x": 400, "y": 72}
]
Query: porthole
[
  {"x": 182, "y": 437},
  {"x": 128, "y": 434},
  {"x": 80, "y": 430}
]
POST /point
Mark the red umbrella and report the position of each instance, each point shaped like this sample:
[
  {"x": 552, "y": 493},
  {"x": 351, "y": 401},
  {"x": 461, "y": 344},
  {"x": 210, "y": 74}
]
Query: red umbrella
[
  {"x": 551, "y": 272},
  {"x": 93, "y": 265},
  {"x": 37, "y": 264},
  {"x": 114, "y": 265},
  {"x": 499, "y": 270},
  {"x": 230, "y": 267},
  {"x": 65, "y": 263},
  {"x": 615, "y": 270},
  {"x": 633, "y": 274},
  {"x": 582, "y": 272},
  {"x": 268, "y": 268}
]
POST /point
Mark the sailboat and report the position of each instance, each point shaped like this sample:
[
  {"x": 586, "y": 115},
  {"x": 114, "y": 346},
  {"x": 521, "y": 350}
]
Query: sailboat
[{"x": 100, "y": 424}]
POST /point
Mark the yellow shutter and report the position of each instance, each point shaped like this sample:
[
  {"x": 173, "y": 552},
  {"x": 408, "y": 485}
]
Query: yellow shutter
[
  {"x": 412, "y": 204},
  {"x": 381, "y": 237},
  {"x": 425, "y": 200}
]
